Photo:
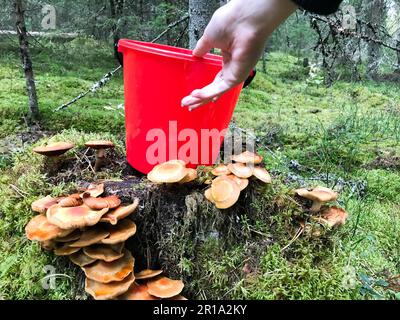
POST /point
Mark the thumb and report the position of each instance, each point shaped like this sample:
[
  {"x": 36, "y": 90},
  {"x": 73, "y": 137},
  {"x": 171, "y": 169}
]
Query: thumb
[{"x": 203, "y": 47}]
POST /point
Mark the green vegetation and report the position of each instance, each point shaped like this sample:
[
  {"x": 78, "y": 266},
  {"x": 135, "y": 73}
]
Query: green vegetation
[{"x": 346, "y": 136}]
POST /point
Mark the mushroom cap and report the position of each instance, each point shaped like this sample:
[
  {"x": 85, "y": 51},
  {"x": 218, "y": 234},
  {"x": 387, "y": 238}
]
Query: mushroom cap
[
  {"x": 137, "y": 292},
  {"x": 42, "y": 205},
  {"x": 103, "y": 252},
  {"x": 221, "y": 170},
  {"x": 81, "y": 259},
  {"x": 333, "y": 217},
  {"x": 48, "y": 245},
  {"x": 168, "y": 172},
  {"x": 241, "y": 170},
  {"x": 225, "y": 192},
  {"x": 147, "y": 274},
  {"x": 40, "y": 229},
  {"x": 262, "y": 174},
  {"x": 106, "y": 272},
  {"x": 100, "y": 144},
  {"x": 75, "y": 235},
  {"x": 54, "y": 149},
  {"x": 319, "y": 193},
  {"x": 110, "y": 202},
  {"x": 209, "y": 196},
  {"x": 247, "y": 157},
  {"x": 191, "y": 175},
  {"x": 94, "y": 190},
  {"x": 71, "y": 201},
  {"x": 178, "y": 297},
  {"x": 242, "y": 183},
  {"x": 108, "y": 291},
  {"x": 90, "y": 236},
  {"x": 65, "y": 250},
  {"x": 112, "y": 217},
  {"x": 75, "y": 217},
  {"x": 121, "y": 232},
  {"x": 164, "y": 287}
]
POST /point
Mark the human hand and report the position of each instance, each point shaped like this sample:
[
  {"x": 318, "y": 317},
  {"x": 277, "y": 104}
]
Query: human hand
[{"x": 240, "y": 29}]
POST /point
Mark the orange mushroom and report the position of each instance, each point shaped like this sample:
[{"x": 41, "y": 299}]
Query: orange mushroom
[
  {"x": 241, "y": 170},
  {"x": 65, "y": 250},
  {"x": 94, "y": 190},
  {"x": 81, "y": 259},
  {"x": 103, "y": 252},
  {"x": 54, "y": 149},
  {"x": 108, "y": 291},
  {"x": 100, "y": 146},
  {"x": 40, "y": 229},
  {"x": 42, "y": 205},
  {"x": 168, "y": 172},
  {"x": 147, "y": 274},
  {"x": 262, "y": 175},
  {"x": 225, "y": 192},
  {"x": 112, "y": 217},
  {"x": 242, "y": 183},
  {"x": 121, "y": 232},
  {"x": 110, "y": 202},
  {"x": 318, "y": 195},
  {"x": 90, "y": 236},
  {"x": 106, "y": 272},
  {"x": 75, "y": 235},
  {"x": 221, "y": 170},
  {"x": 333, "y": 217},
  {"x": 164, "y": 287},
  {"x": 191, "y": 175},
  {"x": 137, "y": 292},
  {"x": 75, "y": 217},
  {"x": 73, "y": 200},
  {"x": 247, "y": 157}
]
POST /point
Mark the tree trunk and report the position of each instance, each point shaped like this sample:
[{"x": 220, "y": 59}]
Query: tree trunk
[
  {"x": 26, "y": 59},
  {"x": 375, "y": 16},
  {"x": 200, "y": 12}
]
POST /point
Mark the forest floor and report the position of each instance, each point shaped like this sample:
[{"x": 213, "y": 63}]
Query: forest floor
[{"x": 346, "y": 136}]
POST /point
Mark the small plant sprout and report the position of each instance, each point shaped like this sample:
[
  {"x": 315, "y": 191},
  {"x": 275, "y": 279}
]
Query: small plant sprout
[{"x": 100, "y": 146}]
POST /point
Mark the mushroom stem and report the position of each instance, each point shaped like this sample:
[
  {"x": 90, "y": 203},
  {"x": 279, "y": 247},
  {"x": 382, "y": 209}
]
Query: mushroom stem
[
  {"x": 100, "y": 156},
  {"x": 316, "y": 206}
]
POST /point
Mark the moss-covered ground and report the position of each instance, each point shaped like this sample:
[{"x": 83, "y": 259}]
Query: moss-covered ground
[{"x": 346, "y": 136}]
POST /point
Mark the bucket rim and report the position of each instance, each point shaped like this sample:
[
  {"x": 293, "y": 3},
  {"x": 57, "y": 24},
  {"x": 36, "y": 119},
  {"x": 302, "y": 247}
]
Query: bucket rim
[{"x": 168, "y": 51}]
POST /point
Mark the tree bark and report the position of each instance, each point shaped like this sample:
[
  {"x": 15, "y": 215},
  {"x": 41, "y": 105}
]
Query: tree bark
[
  {"x": 200, "y": 12},
  {"x": 375, "y": 15},
  {"x": 26, "y": 59}
]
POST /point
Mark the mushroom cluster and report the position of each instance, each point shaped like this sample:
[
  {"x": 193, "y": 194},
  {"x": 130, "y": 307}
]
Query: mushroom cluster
[
  {"x": 233, "y": 178},
  {"x": 328, "y": 216},
  {"x": 92, "y": 231}
]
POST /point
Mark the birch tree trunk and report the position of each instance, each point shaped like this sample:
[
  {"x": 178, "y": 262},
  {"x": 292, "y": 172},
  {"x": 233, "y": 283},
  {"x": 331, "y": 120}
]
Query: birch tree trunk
[
  {"x": 26, "y": 59},
  {"x": 375, "y": 14},
  {"x": 200, "y": 12}
]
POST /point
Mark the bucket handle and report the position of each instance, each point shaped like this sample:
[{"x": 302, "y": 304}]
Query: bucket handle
[{"x": 119, "y": 56}]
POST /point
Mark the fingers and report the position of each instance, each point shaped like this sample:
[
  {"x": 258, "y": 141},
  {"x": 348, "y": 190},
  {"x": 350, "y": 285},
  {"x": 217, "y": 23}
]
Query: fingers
[
  {"x": 210, "y": 93},
  {"x": 203, "y": 47}
]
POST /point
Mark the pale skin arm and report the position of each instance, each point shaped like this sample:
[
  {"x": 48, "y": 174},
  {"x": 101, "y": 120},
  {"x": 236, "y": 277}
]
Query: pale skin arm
[{"x": 240, "y": 29}]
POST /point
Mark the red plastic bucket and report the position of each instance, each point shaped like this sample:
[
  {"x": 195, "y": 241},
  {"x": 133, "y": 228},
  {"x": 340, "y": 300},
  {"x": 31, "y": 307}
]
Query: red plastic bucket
[{"x": 158, "y": 129}]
